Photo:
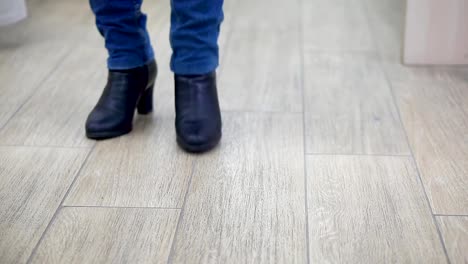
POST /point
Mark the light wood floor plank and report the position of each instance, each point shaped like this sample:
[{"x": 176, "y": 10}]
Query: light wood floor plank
[
  {"x": 63, "y": 22},
  {"x": 20, "y": 78},
  {"x": 349, "y": 106},
  {"x": 56, "y": 114},
  {"x": 144, "y": 168},
  {"x": 386, "y": 21},
  {"x": 432, "y": 101},
  {"x": 369, "y": 210},
  {"x": 263, "y": 37},
  {"x": 229, "y": 18},
  {"x": 436, "y": 119},
  {"x": 164, "y": 89},
  {"x": 335, "y": 25},
  {"x": 246, "y": 200},
  {"x": 31, "y": 50},
  {"x": 158, "y": 16},
  {"x": 261, "y": 72},
  {"x": 454, "y": 231},
  {"x": 32, "y": 184},
  {"x": 274, "y": 15},
  {"x": 402, "y": 73},
  {"x": 109, "y": 235}
]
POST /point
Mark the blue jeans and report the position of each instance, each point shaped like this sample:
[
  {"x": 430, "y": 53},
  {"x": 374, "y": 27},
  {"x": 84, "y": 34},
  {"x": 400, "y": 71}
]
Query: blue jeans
[{"x": 195, "y": 26}]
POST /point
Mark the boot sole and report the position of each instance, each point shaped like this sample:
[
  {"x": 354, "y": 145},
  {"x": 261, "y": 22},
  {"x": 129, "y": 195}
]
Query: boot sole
[
  {"x": 198, "y": 148},
  {"x": 101, "y": 135}
]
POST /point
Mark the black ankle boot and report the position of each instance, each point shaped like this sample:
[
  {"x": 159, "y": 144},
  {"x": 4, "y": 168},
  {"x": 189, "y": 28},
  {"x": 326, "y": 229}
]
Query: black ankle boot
[
  {"x": 125, "y": 91},
  {"x": 198, "y": 117}
]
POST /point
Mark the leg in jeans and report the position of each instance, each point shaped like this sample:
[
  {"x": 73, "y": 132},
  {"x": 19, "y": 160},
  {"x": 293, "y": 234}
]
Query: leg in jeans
[
  {"x": 194, "y": 35},
  {"x": 195, "y": 26},
  {"x": 123, "y": 26},
  {"x": 132, "y": 69}
]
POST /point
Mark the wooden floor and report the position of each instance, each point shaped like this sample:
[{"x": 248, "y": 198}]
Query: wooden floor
[{"x": 333, "y": 152}]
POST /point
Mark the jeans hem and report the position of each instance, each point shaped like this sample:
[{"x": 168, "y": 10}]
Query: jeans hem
[
  {"x": 125, "y": 65},
  {"x": 202, "y": 67}
]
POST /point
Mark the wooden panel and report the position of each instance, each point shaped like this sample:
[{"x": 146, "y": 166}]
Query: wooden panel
[
  {"x": 436, "y": 32},
  {"x": 262, "y": 72},
  {"x": 454, "y": 231},
  {"x": 246, "y": 201},
  {"x": 31, "y": 50},
  {"x": 369, "y": 210},
  {"x": 109, "y": 235},
  {"x": 144, "y": 168},
  {"x": 435, "y": 116},
  {"x": 349, "y": 106},
  {"x": 56, "y": 114},
  {"x": 32, "y": 184},
  {"x": 335, "y": 26}
]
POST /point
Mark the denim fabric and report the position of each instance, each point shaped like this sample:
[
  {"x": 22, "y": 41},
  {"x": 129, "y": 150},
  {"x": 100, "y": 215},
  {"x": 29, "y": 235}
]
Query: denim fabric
[
  {"x": 123, "y": 27},
  {"x": 195, "y": 26}
]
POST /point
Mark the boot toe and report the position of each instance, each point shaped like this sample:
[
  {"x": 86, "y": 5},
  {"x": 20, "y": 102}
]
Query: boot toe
[
  {"x": 198, "y": 115},
  {"x": 104, "y": 126},
  {"x": 125, "y": 90},
  {"x": 198, "y": 136}
]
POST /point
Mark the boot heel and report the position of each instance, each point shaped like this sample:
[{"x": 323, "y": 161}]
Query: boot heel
[{"x": 145, "y": 104}]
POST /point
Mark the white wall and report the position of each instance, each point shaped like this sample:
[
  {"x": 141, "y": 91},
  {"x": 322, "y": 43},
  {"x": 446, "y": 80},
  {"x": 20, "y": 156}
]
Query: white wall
[
  {"x": 436, "y": 32},
  {"x": 12, "y": 11}
]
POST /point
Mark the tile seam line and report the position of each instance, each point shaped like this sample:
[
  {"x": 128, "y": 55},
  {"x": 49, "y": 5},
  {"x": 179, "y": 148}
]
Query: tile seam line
[
  {"x": 181, "y": 214},
  {"x": 412, "y": 158},
  {"x": 121, "y": 207},
  {"x": 59, "y": 208},
  {"x": 356, "y": 155},
  {"x": 194, "y": 165},
  {"x": 300, "y": 4},
  {"x": 451, "y": 215}
]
